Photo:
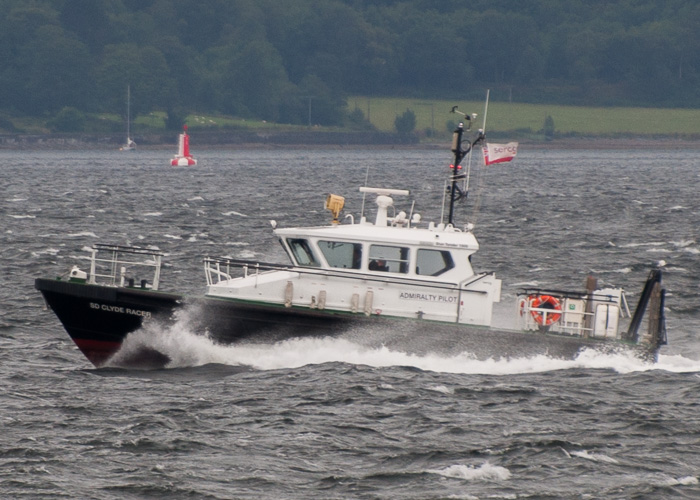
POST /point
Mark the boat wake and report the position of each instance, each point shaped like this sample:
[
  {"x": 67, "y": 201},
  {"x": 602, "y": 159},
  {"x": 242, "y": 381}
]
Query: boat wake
[{"x": 177, "y": 347}]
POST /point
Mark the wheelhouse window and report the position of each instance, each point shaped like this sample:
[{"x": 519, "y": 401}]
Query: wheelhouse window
[
  {"x": 301, "y": 250},
  {"x": 433, "y": 262},
  {"x": 388, "y": 259},
  {"x": 342, "y": 254}
]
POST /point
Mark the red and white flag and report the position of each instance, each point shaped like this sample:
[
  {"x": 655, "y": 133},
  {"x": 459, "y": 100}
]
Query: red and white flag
[{"x": 499, "y": 153}]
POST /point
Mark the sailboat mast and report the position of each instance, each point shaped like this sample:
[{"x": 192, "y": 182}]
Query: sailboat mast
[{"x": 128, "y": 114}]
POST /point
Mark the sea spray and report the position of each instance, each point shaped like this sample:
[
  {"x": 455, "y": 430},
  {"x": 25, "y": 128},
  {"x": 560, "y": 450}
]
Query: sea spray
[{"x": 187, "y": 347}]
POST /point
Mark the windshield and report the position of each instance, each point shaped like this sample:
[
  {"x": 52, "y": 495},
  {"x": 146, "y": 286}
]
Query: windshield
[{"x": 301, "y": 250}]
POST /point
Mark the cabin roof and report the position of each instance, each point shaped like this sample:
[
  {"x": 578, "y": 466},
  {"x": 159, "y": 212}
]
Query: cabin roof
[{"x": 436, "y": 236}]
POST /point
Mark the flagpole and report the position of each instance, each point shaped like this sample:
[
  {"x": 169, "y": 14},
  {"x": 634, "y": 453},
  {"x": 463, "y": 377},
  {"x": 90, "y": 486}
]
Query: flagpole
[
  {"x": 483, "y": 132},
  {"x": 486, "y": 110}
]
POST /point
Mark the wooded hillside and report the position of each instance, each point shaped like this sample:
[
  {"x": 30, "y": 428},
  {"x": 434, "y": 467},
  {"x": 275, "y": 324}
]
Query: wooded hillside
[{"x": 270, "y": 59}]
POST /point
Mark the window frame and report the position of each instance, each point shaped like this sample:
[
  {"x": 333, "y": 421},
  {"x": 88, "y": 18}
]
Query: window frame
[
  {"x": 447, "y": 259},
  {"x": 304, "y": 244},
  {"x": 404, "y": 260},
  {"x": 356, "y": 256}
]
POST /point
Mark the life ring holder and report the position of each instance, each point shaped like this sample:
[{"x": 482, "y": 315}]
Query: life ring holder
[
  {"x": 545, "y": 302},
  {"x": 522, "y": 305}
]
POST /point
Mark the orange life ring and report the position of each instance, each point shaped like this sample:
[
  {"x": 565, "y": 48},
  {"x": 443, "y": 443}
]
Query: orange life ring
[{"x": 545, "y": 302}]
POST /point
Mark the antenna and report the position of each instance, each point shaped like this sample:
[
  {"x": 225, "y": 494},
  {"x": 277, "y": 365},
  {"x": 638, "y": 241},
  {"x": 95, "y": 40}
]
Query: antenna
[
  {"x": 459, "y": 153},
  {"x": 486, "y": 110},
  {"x": 364, "y": 195},
  {"x": 483, "y": 132},
  {"x": 468, "y": 118}
]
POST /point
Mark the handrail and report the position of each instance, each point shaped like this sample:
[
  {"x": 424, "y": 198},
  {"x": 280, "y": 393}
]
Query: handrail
[
  {"x": 574, "y": 330},
  {"x": 317, "y": 271},
  {"x": 475, "y": 278},
  {"x": 463, "y": 288},
  {"x": 116, "y": 263},
  {"x": 127, "y": 249},
  {"x": 568, "y": 294}
]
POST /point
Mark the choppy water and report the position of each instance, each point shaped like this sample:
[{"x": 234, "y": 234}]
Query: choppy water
[{"x": 326, "y": 418}]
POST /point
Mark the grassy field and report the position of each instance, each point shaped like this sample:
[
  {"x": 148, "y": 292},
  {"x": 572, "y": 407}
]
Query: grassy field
[
  {"x": 525, "y": 119},
  {"x": 112, "y": 123},
  {"x": 435, "y": 122}
]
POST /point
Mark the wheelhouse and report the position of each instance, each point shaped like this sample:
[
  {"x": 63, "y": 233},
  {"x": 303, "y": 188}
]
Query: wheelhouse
[
  {"x": 391, "y": 267},
  {"x": 391, "y": 246},
  {"x": 399, "y": 258}
]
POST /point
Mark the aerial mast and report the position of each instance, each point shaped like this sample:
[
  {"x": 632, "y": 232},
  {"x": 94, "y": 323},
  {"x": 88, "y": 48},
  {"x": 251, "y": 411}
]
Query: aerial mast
[{"x": 456, "y": 193}]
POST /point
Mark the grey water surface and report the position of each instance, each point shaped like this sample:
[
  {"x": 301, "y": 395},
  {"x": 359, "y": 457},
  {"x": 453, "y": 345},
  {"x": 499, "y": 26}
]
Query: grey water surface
[{"x": 327, "y": 418}]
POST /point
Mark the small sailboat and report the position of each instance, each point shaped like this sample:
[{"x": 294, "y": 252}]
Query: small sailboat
[
  {"x": 183, "y": 158},
  {"x": 130, "y": 144}
]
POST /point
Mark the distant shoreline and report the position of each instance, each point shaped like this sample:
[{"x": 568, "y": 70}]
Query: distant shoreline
[
  {"x": 258, "y": 139},
  {"x": 617, "y": 143},
  {"x": 203, "y": 139}
]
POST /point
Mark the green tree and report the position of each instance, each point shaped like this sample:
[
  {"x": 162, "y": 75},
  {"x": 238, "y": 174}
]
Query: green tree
[
  {"x": 144, "y": 69},
  {"x": 188, "y": 72},
  {"x": 67, "y": 120},
  {"x": 56, "y": 72},
  {"x": 88, "y": 20},
  {"x": 499, "y": 40},
  {"x": 175, "y": 118},
  {"x": 259, "y": 58},
  {"x": 19, "y": 22},
  {"x": 406, "y": 122},
  {"x": 325, "y": 107},
  {"x": 432, "y": 51},
  {"x": 356, "y": 119},
  {"x": 548, "y": 128},
  {"x": 254, "y": 81}
]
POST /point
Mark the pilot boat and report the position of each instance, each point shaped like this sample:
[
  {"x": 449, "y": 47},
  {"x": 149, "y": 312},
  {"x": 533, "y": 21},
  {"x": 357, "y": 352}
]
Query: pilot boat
[{"x": 394, "y": 282}]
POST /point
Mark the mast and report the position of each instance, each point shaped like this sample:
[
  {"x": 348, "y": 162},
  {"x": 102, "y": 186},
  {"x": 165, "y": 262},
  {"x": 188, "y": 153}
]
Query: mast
[
  {"x": 128, "y": 115},
  {"x": 456, "y": 193}
]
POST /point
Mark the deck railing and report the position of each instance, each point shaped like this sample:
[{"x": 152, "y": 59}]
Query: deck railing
[
  {"x": 221, "y": 269},
  {"x": 120, "y": 266}
]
